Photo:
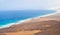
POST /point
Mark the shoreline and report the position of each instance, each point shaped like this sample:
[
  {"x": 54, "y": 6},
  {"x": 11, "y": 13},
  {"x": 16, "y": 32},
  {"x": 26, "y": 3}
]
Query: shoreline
[{"x": 21, "y": 21}]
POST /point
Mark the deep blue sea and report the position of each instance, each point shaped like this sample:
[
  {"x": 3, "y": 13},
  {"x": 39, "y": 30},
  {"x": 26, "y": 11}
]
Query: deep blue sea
[{"x": 7, "y": 17}]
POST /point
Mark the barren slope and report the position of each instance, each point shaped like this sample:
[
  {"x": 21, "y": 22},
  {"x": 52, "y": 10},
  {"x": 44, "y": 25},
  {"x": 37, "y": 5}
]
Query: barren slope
[{"x": 49, "y": 25}]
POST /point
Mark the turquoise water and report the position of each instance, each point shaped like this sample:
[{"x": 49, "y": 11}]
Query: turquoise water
[{"x": 7, "y": 17}]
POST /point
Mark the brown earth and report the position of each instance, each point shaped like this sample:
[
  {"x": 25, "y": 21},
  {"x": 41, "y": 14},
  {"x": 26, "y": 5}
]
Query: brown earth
[{"x": 41, "y": 26}]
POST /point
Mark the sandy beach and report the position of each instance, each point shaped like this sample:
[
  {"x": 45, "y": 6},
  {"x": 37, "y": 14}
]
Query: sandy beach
[{"x": 48, "y": 25}]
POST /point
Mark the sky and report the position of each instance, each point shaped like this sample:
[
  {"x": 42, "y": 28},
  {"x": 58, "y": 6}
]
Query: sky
[{"x": 29, "y": 4}]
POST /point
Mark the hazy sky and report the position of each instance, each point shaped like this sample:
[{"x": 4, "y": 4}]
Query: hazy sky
[{"x": 29, "y": 4}]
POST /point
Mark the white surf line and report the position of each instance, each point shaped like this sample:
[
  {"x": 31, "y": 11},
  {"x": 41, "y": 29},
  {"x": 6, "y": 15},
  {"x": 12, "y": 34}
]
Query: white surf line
[
  {"x": 50, "y": 14},
  {"x": 8, "y": 25}
]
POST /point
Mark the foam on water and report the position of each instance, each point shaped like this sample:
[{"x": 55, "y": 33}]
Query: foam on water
[{"x": 18, "y": 22}]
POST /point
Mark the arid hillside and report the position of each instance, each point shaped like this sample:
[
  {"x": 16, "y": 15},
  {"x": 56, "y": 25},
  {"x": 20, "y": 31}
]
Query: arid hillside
[{"x": 49, "y": 25}]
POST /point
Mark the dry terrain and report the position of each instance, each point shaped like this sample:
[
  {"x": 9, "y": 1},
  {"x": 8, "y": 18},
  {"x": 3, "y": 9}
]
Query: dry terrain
[{"x": 49, "y": 25}]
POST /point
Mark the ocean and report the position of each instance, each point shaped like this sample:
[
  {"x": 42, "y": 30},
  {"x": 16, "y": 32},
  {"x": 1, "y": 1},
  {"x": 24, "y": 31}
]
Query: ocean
[{"x": 9, "y": 17}]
